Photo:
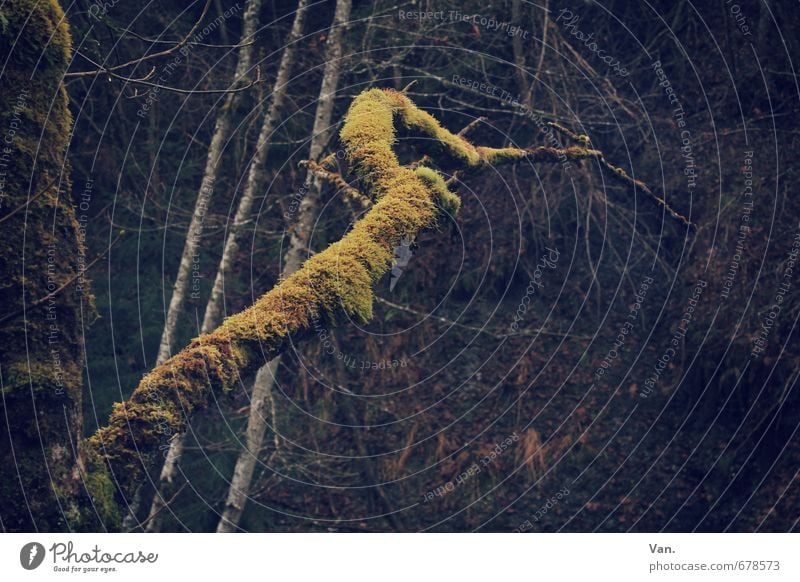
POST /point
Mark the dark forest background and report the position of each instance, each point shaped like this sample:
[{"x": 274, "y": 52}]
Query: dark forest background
[{"x": 381, "y": 427}]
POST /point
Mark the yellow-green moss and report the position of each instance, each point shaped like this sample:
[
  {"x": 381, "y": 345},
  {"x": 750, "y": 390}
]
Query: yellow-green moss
[
  {"x": 333, "y": 284},
  {"x": 446, "y": 200},
  {"x": 42, "y": 355},
  {"x": 102, "y": 495}
]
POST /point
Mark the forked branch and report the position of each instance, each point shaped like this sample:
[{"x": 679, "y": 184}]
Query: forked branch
[{"x": 331, "y": 285}]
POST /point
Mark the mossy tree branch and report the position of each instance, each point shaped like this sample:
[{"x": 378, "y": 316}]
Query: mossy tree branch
[{"x": 333, "y": 284}]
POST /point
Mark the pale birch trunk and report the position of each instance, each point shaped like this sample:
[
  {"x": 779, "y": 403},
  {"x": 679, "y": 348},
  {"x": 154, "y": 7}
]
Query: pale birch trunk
[
  {"x": 262, "y": 388},
  {"x": 215, "y": 308},
  {"x": 322, "y": 121},
  {"x": 222, "y": 130}
]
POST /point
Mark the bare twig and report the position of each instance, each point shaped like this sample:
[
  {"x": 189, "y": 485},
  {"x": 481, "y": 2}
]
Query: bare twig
[
  {"x": 191, "y": 43},
  {"x": 620, "y": 174},
  {"x": 146, "y": 83},
  {"x": 337, "y": 180},
  {"x": 29, "y": 201},
  {"x": 471, "y": 125},
  {"x": 164, "y": 53},
  {"x": 483, "y": 329}
]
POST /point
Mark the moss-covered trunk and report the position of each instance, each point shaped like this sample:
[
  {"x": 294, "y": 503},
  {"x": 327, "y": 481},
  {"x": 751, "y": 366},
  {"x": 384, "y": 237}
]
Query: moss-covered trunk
[{"x": 43, "y": 484}]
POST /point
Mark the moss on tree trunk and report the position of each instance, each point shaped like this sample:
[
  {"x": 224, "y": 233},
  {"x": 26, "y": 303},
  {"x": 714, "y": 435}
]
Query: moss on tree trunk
[{"x": 44, "y": 466}]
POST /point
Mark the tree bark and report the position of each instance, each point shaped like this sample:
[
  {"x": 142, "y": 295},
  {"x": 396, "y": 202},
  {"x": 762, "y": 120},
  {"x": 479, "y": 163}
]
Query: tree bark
[
  {"x": 169, "y": 469},
  {"x": 45, "y": 483},
  {"x": 521, "y": 68},
  {"x": 239, "y": 489},
  {"x": 216, "y": 304},
  {"x": 300, "y": 233},
  {"x": 222, "y": 129}
]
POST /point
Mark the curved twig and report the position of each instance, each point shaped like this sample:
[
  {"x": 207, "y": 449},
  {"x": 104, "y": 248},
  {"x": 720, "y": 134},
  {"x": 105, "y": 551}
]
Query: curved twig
[
  {"x": 130, "y": 63},
  {"x": 621, "y": 175},
  {"x": 146, "y": 83}
]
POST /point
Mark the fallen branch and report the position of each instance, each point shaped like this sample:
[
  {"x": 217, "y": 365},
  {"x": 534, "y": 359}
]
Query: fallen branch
[{"x": 331, "y": 286}]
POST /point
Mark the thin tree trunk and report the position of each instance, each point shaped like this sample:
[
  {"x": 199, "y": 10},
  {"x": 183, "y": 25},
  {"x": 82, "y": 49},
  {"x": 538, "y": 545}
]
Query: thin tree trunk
[
  {"x": 253, "y": 440},
  {"x": 216, "y": 304},
  {"x": 222, "y": 130},
  {"x": 520, "y": 67},
  {"x": 215, "y": 308},
  {"x": 262, "y": 388},
  {"x": 322, "y": 122}
]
